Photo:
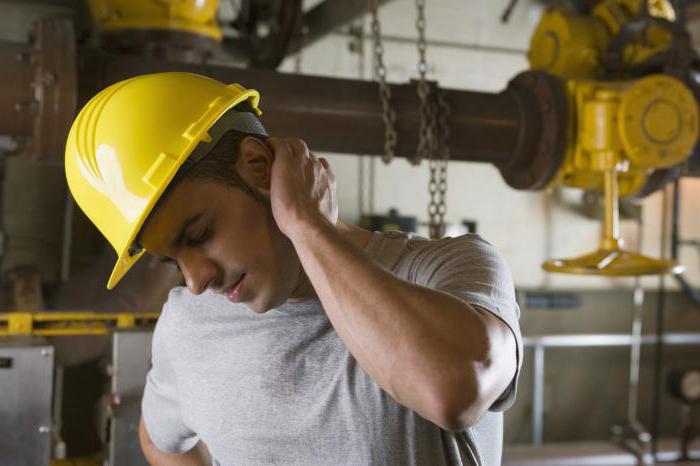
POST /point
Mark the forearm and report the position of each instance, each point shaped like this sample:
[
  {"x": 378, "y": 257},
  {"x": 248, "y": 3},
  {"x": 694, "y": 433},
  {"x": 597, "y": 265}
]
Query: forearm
[
  {"x": 197, "y": 456},
  {"x": 424, "y": 347}
]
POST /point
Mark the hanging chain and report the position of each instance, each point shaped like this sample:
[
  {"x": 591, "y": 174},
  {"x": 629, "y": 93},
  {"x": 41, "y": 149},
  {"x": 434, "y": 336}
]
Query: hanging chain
[
  {"x": 433, "y": 136},
  {"x": 437, "y": 186},
  {"x": 433, "y": 133},
  {"x": 389, "y": 115},
  {"x": 426, "y": 129}
]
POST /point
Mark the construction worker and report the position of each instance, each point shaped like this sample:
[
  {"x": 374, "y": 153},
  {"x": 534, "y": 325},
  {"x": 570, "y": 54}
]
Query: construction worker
[{"x": 299, "y": 339}]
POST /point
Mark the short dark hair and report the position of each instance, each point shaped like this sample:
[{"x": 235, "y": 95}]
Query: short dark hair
[{"x": 220, "y": 164}]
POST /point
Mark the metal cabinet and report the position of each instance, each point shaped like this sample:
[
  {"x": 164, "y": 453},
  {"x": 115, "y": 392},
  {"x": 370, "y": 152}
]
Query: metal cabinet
[{"x": 26, "y": 380}]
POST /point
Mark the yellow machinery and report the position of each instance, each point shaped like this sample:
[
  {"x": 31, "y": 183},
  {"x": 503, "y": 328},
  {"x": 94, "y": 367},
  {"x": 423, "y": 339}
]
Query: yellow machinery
[
  {"x": 620, "y": 129},
  {"x": 176, "y": 30},
  {"x": 72, "y": 323},
  {"x": 572, "y": 45},
  {"x": 193, "y": 16}
]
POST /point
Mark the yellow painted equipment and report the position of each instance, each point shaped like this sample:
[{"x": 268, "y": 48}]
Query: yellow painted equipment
[
  {"x": 571, "y": 45},
  {"x": 191, "y": 16},
  {"x": 127, "y": 143},
  {"x": 72, "y": 323},
  {"x": 644, "y": 124},
  {"x": 619, "y": 133}
]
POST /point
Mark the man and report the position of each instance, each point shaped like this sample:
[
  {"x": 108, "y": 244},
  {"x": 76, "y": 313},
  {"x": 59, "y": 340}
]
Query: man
[{"x": 299, "y": 339}]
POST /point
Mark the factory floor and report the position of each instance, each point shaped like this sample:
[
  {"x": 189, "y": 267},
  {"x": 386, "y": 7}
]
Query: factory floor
[{"x": 592, "y": 454}]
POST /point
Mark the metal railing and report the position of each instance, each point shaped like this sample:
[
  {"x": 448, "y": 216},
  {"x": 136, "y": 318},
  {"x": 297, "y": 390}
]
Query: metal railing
[{"x": 539, "y": 343}]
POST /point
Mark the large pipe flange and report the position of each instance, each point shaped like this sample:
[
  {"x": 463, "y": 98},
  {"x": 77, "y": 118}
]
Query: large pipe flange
[{"x": 543, "y": 120}]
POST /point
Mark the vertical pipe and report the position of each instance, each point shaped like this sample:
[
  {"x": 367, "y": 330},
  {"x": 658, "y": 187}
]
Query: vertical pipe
[
  {"x": 538, "y": 396},
  {"x": 636, "y": 347},
  {"x": 67, "y": 237},
  {"x": 635, "y": 351},
  {"x": 659, "y": 346},
  {"x": 675, "y": 214},
  {"x": 612, "y": 216},
  {"x": 692, "y": 293}
]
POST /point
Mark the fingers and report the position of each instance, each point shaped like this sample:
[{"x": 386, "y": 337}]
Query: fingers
[
  {"x": 327, "y": 168},
  {"x": 297, "y": 148},
  {"x": 282, "y": 148}
]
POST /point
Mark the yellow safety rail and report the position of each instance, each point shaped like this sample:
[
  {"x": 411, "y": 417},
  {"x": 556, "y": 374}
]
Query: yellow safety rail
[{"x": 72, "y": 323}]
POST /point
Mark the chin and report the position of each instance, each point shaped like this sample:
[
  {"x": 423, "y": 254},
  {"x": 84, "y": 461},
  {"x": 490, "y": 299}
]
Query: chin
[
  {"x": 260, "y": 308},
  {"x": 253, "y": 306},
  {"x": 263, "y": 302}
]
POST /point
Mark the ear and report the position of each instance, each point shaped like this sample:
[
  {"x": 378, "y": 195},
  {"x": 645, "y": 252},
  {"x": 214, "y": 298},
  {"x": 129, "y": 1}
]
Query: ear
[{"x": 254, "y": 163}]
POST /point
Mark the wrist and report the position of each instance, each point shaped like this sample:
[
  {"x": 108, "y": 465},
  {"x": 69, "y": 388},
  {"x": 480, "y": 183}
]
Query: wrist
[{"x": 307, "y": 228}]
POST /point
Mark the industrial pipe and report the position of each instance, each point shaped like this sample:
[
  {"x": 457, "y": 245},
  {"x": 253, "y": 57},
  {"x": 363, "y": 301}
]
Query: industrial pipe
[{"x": 521, "y": 130}]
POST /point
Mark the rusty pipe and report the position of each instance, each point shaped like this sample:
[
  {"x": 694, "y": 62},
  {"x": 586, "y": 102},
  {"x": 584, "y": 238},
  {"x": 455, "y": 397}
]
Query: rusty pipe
[
  {"x": 509, "y": 129},
  {"x": 338, "y": 115}
]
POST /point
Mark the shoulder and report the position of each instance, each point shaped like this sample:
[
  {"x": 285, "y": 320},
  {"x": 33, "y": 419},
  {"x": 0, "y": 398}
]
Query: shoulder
[{"x": 470, "y": 250}]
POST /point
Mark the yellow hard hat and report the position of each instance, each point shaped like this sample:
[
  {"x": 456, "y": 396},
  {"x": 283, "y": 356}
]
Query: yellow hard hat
[{"x": 128, "y": 142}]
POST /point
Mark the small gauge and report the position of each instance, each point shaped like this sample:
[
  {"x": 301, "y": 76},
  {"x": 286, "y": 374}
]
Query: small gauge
[{"x": 684, "y": 384}]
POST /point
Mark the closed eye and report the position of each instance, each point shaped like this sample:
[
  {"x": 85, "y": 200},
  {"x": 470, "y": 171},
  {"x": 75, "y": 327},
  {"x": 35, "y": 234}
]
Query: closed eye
[{"x": 200, "y": 238}]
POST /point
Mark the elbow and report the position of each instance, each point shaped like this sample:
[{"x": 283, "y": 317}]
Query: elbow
[
  {"x": 472, "y": 380},
  {"x": 458, "y": 412},
  {"x": 467, "y": 389},
  {"x": 475, "y": 382}
]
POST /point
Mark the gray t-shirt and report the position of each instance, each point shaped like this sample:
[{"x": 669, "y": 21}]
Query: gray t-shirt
[{"x": 282, "y": 388}]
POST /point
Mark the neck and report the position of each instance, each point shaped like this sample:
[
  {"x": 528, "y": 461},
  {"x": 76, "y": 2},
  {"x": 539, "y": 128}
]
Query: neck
[{"x": 359, "y": 237}]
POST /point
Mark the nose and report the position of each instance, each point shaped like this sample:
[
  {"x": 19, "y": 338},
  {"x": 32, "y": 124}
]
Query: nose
[{"x": 198, "y": 270}]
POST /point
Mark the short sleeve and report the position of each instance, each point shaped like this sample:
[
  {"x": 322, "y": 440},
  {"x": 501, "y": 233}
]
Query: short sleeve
[
  {"x": 160, "y": 406},
  {"x": 471, "y": 269}
]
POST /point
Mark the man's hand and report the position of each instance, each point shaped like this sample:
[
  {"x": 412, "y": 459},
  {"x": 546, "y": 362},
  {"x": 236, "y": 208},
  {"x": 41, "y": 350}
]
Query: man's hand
[{"x": 302, "y": 186}]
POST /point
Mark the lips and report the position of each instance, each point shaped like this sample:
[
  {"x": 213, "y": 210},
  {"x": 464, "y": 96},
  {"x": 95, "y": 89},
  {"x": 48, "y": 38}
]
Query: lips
[{"x": 234, "y": 291}]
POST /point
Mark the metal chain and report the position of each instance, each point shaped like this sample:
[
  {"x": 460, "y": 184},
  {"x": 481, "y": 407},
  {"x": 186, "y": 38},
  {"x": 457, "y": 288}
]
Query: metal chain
[
  {"x": 426, "y": 129},
  {"x": 389, "y": 115},
  {"x": 438, "y": 181},
  {"x": 433, "y": 134}
]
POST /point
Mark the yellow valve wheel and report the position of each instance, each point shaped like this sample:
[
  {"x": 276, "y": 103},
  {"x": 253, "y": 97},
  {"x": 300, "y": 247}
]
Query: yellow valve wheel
[
  {"x": 613, "y": 262},
  {"x": 610, "y": 259}
]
